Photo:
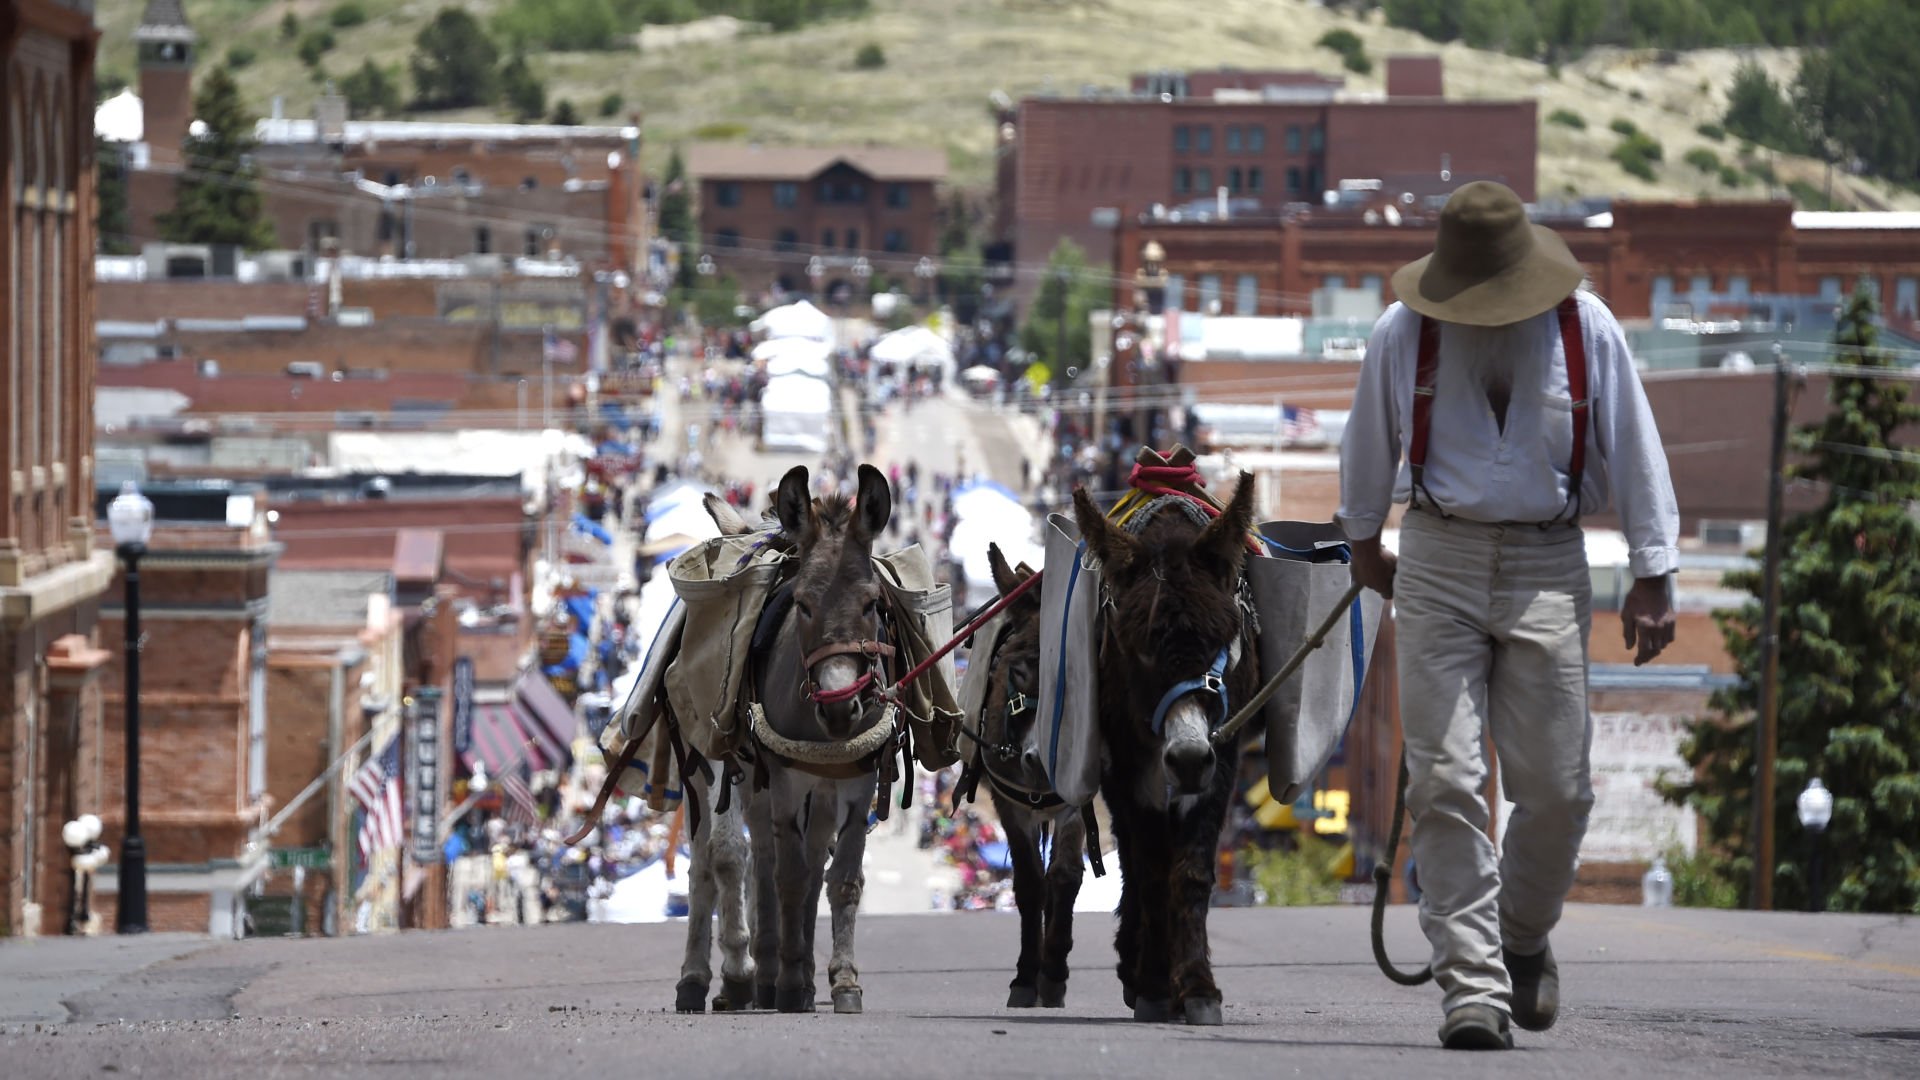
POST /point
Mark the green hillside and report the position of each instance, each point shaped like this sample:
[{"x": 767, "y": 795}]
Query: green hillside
[{"x": 943, "y": 58}]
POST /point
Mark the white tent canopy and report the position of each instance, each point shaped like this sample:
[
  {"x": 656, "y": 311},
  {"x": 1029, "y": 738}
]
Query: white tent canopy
[
  {"x": 784, "y": 356},
  {"x": 914, "y": 346},
  {"x": 795, "y": 320},
  {"x": 793, "y": 410},
  {"x": 987, "y": 513}
]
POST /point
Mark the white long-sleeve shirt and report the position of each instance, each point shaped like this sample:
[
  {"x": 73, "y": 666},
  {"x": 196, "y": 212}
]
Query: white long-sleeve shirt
[{"x": 1478, "y": 470}]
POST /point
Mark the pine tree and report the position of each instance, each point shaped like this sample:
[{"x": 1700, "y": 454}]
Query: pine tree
[
  {"x": 1849, "y": 674},
  {"x": 1069, "y": 290},
  {"x": 523, "y": 92},
  {"x": 676, "y": 214},
  {"x": 111, "y": 227},
  {"x": 454, "y": 63},
  {"x": 217, "y": 199}
]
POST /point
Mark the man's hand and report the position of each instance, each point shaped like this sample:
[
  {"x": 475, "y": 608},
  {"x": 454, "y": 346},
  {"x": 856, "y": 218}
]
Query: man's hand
[
  {"x": 1373, "y": 565},
  {"x": 1646, "y": 618}
]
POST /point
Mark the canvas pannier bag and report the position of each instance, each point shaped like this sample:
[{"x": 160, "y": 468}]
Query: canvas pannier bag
[
  {"x": 922, "y": 613},
  {"x": 723, "y": 585},
  {"x": 1069, "y": 718},
  {"x": 1292, "y": 592},
  {"x": 644, "y": 715},
  {"x": 974, "y": 680}
]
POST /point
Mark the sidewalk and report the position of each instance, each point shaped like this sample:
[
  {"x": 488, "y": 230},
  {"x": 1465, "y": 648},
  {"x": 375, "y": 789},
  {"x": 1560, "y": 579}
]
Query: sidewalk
[{"x": 39, "y": 975}]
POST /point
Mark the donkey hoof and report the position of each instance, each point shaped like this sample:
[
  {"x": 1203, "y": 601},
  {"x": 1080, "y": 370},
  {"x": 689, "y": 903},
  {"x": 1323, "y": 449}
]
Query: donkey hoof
[
  {"x": 690, "y": 995},
  {"x": 736, "y": 995},
  {"x": 1153, "y": 1010},
  {"x": 1053, "y": 994},
  {"x": 1127, "y": 995},
  {"x": 764, "y": 995},
  {"x": 847, "y": 1001},
  {"x": 797, "y": 1000},
  {"x": 1203, "y": 1012},
  {"x": 1022, "y": 997}
]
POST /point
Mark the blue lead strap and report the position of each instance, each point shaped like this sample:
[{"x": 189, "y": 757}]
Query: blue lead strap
[{"x": 1060, "y": 677}]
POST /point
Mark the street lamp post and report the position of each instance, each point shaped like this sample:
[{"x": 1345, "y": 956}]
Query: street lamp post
[
  {"x": 130, "y": 518},
  {"x": 1815, "y": 806}
]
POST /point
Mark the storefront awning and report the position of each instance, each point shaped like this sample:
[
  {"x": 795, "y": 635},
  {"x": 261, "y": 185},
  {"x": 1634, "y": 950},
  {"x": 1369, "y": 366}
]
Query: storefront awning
[
  {"x": 547, "y": 717},
  {"x": 498, "y": 742}
]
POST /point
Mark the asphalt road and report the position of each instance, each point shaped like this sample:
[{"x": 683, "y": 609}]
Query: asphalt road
[{"x": 1648, "y": 993}]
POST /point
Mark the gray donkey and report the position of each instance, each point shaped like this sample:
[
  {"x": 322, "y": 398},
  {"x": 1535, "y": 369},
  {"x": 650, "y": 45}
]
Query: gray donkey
[
  {"x": 1008, "y": 756},
  {"x": 820, "y": 734}
]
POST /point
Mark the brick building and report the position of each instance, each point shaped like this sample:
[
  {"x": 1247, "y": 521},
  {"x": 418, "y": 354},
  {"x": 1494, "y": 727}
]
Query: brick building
[
  {"x": 401, "y": 188},
  {"x": 203, "y": 701},
  {"x": 770, "y": 216},
  {"x": 52, "y": 573},
  {"x": 1076, "y": 168},
  {"x": 1646, "y": 258}
]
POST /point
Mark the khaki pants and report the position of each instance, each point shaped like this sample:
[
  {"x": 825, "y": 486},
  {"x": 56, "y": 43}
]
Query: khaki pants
[{"x": 1491, "y": 625}]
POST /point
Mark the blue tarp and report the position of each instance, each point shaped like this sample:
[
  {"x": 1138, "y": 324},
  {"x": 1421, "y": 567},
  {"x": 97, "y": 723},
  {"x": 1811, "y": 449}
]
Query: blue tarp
[
  {"x": 584, "y": 524},
  {"x": 578, "y": 649},
  {"x": 581, "y": 608}
]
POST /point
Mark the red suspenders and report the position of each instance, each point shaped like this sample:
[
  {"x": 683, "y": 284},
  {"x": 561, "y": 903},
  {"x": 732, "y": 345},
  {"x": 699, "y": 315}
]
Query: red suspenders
[{"x": 1427, "y": 373}]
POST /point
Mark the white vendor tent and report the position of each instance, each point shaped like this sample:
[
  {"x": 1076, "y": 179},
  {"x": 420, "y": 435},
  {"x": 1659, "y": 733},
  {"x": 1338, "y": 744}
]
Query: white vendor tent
[
  {"x": 915, "y": 346},
  {"x": 796, "y": 320},
  {"x": 794, "y": 410},
  {"x": 784, "y": 356},
  {"x": 987, "y": 513}
]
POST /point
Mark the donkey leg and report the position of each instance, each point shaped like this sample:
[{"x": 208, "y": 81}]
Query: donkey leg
[
  {"x": 1195, "y": 841},
  {"x": 1126, "y": 939},
  {"x": 728, "y": 851},
  {"x": 696, "y": 971},
  {"x": 765, "y": 910},
  {"x": 1030, "y": 896},
  {"x": 846, "y": 880},
  {"x": 794, "y": 987},
  {"x": 1064, "y": 875},
  {"x": 1150, "y": 876}
]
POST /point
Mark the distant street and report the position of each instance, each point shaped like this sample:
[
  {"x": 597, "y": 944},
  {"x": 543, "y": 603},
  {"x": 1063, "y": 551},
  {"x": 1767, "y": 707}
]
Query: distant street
[{"x": 1648, "y": 993}]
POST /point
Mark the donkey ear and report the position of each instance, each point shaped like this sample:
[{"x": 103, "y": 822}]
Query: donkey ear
[
  {"x": 729, "y": 519},
  {"x": 1225, "y": 539},
  {"x": 1004, "y": 579},
  {"x": 794, "y": 504},
  {"x": 1114, "y": 548},
  {"x": 876, "y": 501}
]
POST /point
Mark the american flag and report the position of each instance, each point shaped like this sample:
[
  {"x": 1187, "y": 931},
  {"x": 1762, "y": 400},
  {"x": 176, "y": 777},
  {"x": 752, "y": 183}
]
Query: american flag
[
  {"x": 377, "y": 788},
  {"x": 1298, "y": 425},
  {"x": 519, "y": 808},
  {"x": 558, "y": 350}
]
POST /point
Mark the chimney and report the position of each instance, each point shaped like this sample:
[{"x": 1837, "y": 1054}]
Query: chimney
[
  {"x": 165, "y": 44},
  {"x": 1414, "y": 77},
  {"x": 330, "y": 118}
]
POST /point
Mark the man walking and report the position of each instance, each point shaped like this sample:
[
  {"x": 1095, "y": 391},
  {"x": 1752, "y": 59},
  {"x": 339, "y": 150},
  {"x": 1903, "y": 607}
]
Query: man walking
[{"x": 1500, "y": 403}]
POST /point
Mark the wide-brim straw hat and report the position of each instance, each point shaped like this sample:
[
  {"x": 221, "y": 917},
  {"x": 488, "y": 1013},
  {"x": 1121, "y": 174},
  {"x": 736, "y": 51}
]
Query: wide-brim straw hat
[{"x": 1490, "y": 266}]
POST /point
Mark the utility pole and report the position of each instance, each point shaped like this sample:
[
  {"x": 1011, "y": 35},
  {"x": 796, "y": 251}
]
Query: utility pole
[{"x": 1766, "y": 732}]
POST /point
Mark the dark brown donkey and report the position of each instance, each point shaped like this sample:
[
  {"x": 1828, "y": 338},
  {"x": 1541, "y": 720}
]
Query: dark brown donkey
[
  {"x": 1177, "y": 654},
  {"x": 1008, "y": 757}
]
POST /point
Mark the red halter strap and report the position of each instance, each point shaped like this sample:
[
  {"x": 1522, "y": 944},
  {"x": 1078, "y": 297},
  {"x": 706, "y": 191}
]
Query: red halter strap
[{"x": 1573, "y": 342}]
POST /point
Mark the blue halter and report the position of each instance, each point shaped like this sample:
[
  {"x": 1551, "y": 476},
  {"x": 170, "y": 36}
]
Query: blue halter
[{"x": 1213, "y": 682}]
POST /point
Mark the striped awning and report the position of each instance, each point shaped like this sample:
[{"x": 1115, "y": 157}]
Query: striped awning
[
  {"x": 498, "y": 740},
  {"x": 547, "y": 717}
]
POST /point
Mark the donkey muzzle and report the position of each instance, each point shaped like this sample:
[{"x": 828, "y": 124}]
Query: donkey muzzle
[{"x": 1188, "y": 751}]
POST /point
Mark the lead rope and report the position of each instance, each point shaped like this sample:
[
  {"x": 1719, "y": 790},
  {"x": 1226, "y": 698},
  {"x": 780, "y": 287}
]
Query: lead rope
[{"x": 1382, "y": 882}]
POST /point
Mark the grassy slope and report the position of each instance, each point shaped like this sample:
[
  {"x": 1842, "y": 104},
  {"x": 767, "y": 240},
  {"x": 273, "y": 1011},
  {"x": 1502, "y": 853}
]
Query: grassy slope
[{"x": 945, "y": 56}]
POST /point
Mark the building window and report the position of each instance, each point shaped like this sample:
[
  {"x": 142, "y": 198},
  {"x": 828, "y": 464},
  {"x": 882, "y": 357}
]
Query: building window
[
  {"x": 1180, "y": 138},
  {"x": 853, "y": 239},
  {"x": 1739, "y": 287},
  {"x": 1906, "y": 297},
  {"x": 727, "y": 238},
  {"x": 1255, "y": 181},
  {"x": 1317, "y": 139},
  {"x": 1182, "y": 181},
  {"x": 1234, "y": 178},
  {"x": 1313, "y": 180},
  {"x": 1203, "y": 139},
  {"x": 828, "y": 239},
  {"x": 1293, "y": 138},
  {"x": 1294, "y": 180},
  {"x": 894, "y": 240},
  {"x": 786, "y": 195},
  {"x": 1334, "y": 281},
  {"x": 726, "y": 193},
  {"x": 1233, "y": 138},
  {"x": 787, "y": 240},
  {"x": 1246, "y": 295},
  {"x": 1662, "y": 292},
  {"x": 1176, "y": 293},
  {"x": 1209, "y": 293},
  {"x": 1701, "y": 286},
  {"x": 1830, "y": 288},
  {"x": 1203, "y": 181},
  {"x": 1371, "y": 283},
  {"x": 483, "y": 240},
  {"x": 1257, "y": 139},
  {"x": 532, "y": 248},
  {"x": 899, "y": 196}
]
